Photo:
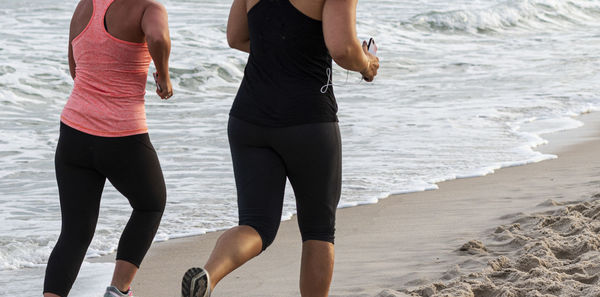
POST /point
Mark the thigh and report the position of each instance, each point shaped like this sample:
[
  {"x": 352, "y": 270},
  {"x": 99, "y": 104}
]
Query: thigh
[
  {"x": 80, "y": 185},
  {"x": 259, "y": 177},
  {"x": 312, "y": 156},
  {"x": 131, "y": 165}
]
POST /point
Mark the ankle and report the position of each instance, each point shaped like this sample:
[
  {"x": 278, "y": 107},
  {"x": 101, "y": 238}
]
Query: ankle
[
  {"x": 125, "y": 291},
  {"x": 123, "y": 288}
]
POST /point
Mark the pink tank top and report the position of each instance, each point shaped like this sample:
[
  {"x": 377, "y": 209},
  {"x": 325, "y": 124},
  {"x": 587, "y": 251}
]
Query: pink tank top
[{"x": 110, "y": 81}]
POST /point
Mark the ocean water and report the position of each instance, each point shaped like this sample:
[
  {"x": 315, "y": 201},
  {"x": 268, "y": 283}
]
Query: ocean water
[{"x": 464, "y": 88}]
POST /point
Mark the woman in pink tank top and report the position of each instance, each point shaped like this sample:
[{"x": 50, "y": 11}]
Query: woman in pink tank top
[{"x": 103, "y": 135}]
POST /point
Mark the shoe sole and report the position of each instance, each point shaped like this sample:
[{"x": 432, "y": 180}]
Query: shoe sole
[{"x": 190, "y": 282}]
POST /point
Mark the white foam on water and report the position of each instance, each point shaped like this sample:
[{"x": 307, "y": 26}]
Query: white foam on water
[{"x": 512, "y": 14}]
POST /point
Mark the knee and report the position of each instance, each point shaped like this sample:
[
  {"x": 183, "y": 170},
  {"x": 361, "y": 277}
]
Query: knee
[
  {"x": 153, "y": 203},
  {"x": 267, "y": 231},
  {"x": 315, "y": 231},
  {"x": 153, "y": 199},
  {"x": 267, "y": 236},
  {"x": 160, "y": 200},
  {"x": 77, "y": 234}
]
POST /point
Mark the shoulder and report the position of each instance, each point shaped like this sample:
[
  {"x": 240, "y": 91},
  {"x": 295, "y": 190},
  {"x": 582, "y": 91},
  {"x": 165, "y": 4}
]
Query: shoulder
[
  {"x": 154, "y": 7},
  {"x": 154, "y": 18},
  {"x": 81, "y": 17},
  {"x": 84, "y": 8}
]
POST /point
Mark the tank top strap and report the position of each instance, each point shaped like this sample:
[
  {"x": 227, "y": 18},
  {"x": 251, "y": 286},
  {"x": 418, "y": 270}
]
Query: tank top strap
[{"x": 100, "y": 8}]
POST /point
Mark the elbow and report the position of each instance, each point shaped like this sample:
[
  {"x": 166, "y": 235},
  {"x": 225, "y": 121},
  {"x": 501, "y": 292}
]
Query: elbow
[
  {"x": 243, "y": 46},
  {"x": 341, "y": 55},
  {"x": 161, "y": 40},
  {"x": 232, "y": 43},
  {"x": 236, "y": 43}
]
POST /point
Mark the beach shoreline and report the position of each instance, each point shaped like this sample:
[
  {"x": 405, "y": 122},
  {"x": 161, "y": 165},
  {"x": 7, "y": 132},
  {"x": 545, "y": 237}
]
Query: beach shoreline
[
  {"x": 465, "y": 87},
  {"x": 404, "y": 240}
]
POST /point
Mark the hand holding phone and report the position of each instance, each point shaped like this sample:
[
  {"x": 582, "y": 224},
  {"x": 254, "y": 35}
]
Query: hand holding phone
[{"x": 372, "y": 47}]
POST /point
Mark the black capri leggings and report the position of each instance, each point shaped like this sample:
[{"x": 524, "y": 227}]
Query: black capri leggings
[
  {"x": 308, "y": 155},
  {"x": 83, "y": 163}
]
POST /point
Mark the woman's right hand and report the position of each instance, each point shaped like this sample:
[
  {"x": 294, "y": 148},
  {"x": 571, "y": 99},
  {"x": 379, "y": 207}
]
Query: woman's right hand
[
  {"x": 164, "y": 89},
  {"x": 370, "y": 71}
]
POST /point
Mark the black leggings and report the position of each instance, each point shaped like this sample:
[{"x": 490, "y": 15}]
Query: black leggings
[
  {"x": 83, "y": 163},
  {"x": 308, "y": 155}
]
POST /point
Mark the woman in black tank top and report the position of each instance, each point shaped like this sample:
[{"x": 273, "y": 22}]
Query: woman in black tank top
[
  {"x": 286, "y": 70},
  {"x": 283, "y": 124}
]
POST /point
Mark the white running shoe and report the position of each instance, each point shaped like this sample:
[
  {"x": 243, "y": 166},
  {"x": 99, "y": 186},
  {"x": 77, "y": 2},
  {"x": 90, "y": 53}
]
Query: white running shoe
[{"x": 114, "y": 292}]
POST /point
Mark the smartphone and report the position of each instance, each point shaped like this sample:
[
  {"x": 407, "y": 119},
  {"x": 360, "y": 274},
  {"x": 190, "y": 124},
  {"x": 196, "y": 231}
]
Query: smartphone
[
  {"x": 372, "y": 47},
  {"x": 156, "y": 81}
]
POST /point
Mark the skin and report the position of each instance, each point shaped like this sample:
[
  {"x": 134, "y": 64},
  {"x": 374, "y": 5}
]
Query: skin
[
  {"x": 136, "y": 21},
  {"x": 240, "y": 244},
  {"x": 339, "y": 30}
]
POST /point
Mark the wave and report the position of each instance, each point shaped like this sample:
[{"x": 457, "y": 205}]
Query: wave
[
  {"x": 526, "y": 14},
  {"x": 19, "y": 253}
]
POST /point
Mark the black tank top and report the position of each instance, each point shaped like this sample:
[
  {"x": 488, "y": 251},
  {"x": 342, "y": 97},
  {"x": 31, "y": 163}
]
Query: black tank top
[{"x": 286, "y": 80}]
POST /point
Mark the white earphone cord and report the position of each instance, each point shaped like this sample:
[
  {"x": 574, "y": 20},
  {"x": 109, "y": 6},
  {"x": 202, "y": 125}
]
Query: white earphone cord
[{"x": 329, "y": 83}]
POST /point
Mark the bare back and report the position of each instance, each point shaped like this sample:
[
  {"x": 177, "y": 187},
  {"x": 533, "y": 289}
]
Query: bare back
[
  {"x": 311, "y": 8},
  {"x": 123, "y": 19}
]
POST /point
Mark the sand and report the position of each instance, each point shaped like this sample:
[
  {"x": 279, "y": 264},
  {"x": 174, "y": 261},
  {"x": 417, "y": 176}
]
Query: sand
[
  {"x": 555, "y": 253},
  {"x": 523, "y": 231}
]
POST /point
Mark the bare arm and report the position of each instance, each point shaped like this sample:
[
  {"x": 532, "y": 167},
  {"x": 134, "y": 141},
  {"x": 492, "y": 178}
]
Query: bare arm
[
  {"x": 155, "y": 25},
  {"x": 339, "y": 30},
  {"x": 81, "y": 16},
  {"x": 238, "y": 35}
]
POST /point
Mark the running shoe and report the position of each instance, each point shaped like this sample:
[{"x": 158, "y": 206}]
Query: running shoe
[
  {"x": 114, "y": 292},
  {"x": 196, "y": 283}
]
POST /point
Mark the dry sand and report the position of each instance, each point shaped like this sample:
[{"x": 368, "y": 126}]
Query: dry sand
[
  {"x": 410, "y": 244},
  {"x": 555, "y": 253}
]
